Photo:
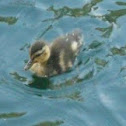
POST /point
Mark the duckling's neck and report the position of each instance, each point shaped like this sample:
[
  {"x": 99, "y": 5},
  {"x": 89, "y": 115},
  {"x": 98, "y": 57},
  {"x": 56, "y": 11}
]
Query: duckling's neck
[
  {"x": 39, "y": 69},
  {"x": 43, "y": 64}
]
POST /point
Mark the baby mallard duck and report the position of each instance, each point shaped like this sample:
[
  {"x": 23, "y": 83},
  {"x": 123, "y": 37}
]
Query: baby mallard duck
[{"x": 48, "y": 60}]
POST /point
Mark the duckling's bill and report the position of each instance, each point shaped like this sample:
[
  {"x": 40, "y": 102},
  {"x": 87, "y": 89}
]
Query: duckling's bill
[{"x": 28, "y": 65}]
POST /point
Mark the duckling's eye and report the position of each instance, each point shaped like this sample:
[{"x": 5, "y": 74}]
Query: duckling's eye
[{"x": 37, "y": 55}]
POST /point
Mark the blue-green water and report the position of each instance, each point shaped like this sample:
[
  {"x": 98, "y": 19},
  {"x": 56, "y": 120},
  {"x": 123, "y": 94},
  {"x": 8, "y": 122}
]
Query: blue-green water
[{"x": 91, "y": 94}]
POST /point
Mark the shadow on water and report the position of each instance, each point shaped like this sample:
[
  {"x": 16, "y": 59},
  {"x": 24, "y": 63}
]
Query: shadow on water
[
  {"x": 39, "y": 82},
  {"x": 106, "y": 31},
  {"x": 111, "y": 17},
  {"x": 67, "y": 11},
  {"x": 53, "y": 91},
  {"x": 8, "y": 20},
  {"x": 18, "y": 77},
  {"x": 95, "y": 44},
  {"x": 121, "y": 3},
  {"x": 49, "y": 123},
  {"x": 73, "y": 12},
  {"x": 11, "y": 115},
  {"x": 119, "y": 51},
  {"x": 85, "y": 10},
  {"x": 36, "y": 82}
]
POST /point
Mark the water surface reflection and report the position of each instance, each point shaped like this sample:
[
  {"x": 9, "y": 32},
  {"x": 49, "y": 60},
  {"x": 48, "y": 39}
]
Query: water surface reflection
[{"x": 92, "y": 92}]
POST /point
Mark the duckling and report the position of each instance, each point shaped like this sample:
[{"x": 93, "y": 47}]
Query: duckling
[{"x": 49, "y": 60}]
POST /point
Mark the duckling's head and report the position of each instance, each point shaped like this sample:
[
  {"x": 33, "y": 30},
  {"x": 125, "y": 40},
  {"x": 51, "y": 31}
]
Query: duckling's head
[{"x": 39, "y": 53}]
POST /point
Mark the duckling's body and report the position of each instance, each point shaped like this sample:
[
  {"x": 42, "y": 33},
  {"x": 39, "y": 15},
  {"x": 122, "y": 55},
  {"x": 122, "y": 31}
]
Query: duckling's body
[{"x": 48, "y": 60}]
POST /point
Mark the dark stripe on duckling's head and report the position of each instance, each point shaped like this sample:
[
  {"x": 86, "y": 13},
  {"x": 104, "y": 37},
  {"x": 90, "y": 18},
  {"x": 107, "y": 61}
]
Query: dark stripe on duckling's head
[{"x": 37, "y": 46}]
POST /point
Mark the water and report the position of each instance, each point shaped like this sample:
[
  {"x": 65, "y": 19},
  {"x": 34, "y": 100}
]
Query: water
[{"x": 92, "y": 93}]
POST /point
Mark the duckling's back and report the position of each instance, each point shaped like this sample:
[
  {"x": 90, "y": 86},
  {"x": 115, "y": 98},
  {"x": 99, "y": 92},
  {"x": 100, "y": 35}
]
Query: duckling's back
[{"x": 64, "y": 51}]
